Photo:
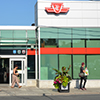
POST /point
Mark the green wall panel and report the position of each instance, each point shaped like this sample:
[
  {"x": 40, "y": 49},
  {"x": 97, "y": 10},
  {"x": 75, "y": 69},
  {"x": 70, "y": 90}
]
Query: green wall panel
[
  {"x": 64, "y": 43},
  {"x": 6, "y": 33},
  {"x": 49, "y": 33},
  {"x": 48, "y": 62},
  {"x": 31, "y": 34},
  {"x": 77, "y": 60},
  {"x": 78, "y": 33},
  {"x": 93, "y": 43},
  {"x": 64, "y": 32},
  {"x": 19, "y": 34},
  {"x": 78, "y": 43},
  {"x": 44, "y": 73},
  {"x": 65, "y": 60},
  {"x": 93, "y": 33},
  {"x": 93, "y": 64}
]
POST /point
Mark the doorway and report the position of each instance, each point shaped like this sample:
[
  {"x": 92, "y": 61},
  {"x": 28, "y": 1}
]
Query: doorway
[
  {"x": 21, "y": 70},
  {"x": 4, "y": 70}
]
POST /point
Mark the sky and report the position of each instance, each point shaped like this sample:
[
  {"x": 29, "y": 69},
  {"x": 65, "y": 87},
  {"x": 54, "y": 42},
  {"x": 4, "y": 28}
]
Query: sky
[{"x": 18, "y": 12}]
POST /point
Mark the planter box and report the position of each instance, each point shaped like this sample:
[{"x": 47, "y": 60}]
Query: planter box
[{"x": 64, "y": 89}]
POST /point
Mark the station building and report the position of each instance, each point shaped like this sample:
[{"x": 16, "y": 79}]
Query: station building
[{"x": 65, "y": 33}]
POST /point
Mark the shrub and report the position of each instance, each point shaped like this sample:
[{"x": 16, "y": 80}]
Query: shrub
[{"x": 62, "y": 77}]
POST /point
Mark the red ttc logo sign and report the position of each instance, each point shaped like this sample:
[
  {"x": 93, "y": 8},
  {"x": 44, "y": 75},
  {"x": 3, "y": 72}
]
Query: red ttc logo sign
[{"x": 57, "y": 8}]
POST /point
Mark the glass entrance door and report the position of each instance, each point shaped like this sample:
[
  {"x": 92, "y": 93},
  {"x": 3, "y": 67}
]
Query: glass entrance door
[{"x": 21, "y": 70}]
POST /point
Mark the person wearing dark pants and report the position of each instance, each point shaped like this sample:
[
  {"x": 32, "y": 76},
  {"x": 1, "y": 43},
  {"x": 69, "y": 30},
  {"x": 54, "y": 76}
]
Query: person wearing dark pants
[{"x": 83, "y": 78}]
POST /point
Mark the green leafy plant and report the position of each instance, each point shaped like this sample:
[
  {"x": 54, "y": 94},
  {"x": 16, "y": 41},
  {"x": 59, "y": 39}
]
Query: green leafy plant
[{"x": 62, "y": 77}]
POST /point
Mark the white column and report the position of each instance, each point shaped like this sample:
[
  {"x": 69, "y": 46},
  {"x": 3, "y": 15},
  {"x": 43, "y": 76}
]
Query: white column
[
  {"x": 26, "y": 63},
  {"x": 36, "y": 62},
  {"x": 10, "y": 72},
  {"x": 39, "y": 49}
]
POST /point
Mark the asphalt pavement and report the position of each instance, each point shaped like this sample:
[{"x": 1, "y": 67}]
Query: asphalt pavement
[
  {"x": 35, "y": 91},
  {"x": 61, "y": 97}
]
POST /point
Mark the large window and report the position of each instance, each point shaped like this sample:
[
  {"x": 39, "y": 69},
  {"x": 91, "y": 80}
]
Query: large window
[
  {"x": 77, "y": 60},
  {"x": 64, "y": 43},
  {"x": 48, "y": 43},
  {"x": 16, "y": 39},
  {"x": 31, "y": 67},
  {"x": 78, "y": 43},
  {"x": 64, "y": 32},
  {"x": 93, "y": 65},
  {"x": 93, "y": 33},
  {"x": 6, "y": 34},
  {"x": 93, "y": 43},
  {"x": 48, "y": 62},
  {"x": 49, "y": 33},
  {"x": 58, "y": 61},
  {"x": 31, "y": 34},
  {"x": 65, "y": 60},
  {"x": 78, "y": 33},
  {"x": 70, "y": 33},
  {"x": 19, "y": 34}
]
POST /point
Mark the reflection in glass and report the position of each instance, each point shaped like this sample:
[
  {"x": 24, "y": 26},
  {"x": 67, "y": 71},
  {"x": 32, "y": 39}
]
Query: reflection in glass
[
  {"x": 78, "y": 33},
  {"x": 47, "y": 63},
  {"x": 78, "y": 43},
  {"x": 18, "y": 63},
  {"x": 31, "y": 33},
  {"x": 20, "y": 78},
  {"x": 93, "y": 65},
  {"x": 64, "y": 32},
  {"x": 92, "y": 33},
  {"x": 77, "y": 60},
  {"x": 23, "y": 78},
  {"x": 64, "y": 43},
  {"x": 65, "y": 60},
  {"x": 48, "y": 43},
  {"x": 6, "y": 34},
  {"x": 31, "y": 67},
  {"x": 49, "y": 32},
  {"x": 93, "y": 43},
  {"x": 21, "y": 32}
]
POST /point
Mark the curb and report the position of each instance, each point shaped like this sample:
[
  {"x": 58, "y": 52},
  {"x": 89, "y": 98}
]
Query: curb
[{"x": 44, "y": 94}]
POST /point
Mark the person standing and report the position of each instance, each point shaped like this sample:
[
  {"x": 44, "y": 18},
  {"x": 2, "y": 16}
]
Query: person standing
[
  {"x": 15, "y": 78},
  {"x": 84, "y": 77}
]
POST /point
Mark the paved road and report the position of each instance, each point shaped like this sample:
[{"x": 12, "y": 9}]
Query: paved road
[
  {"x": 73, "y": 97},
  {"x": 34, "y": 91}
]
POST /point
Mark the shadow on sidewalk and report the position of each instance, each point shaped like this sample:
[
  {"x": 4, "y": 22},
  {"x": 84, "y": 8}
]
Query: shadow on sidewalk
[
  {"x": 47, "y": 97},
  {"x": 77, "y": 84}
]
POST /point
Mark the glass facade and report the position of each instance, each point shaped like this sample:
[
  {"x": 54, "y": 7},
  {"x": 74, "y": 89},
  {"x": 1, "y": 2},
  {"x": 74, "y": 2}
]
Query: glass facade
[
  {"x": 77, "y": 60},
  {"x": 49, "y": 43},
  {"x": 64, "y": 43},
  {"x": 56, "y": 38},
  {"x": 18, "y": 40},
  {"x": 64, "y": 33},
  {"x": 93, "y": 33},
  {"x": 79, "y": 43},
  {"x": 93, "y": 64},
  {"x": 49, "y": 33},
  {"x": 93, "y": 43},
  {"x": 65, "y": 60},
  {"x": 48, "y": 62},
  {"x": 78, "y": 33},
  {"x": 31, "y": 67},
  {"x": 69, "y": 38}
]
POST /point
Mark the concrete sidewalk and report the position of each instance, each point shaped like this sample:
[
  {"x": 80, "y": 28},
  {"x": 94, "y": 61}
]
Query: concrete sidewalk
[{"x": 34, "y": 91}]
